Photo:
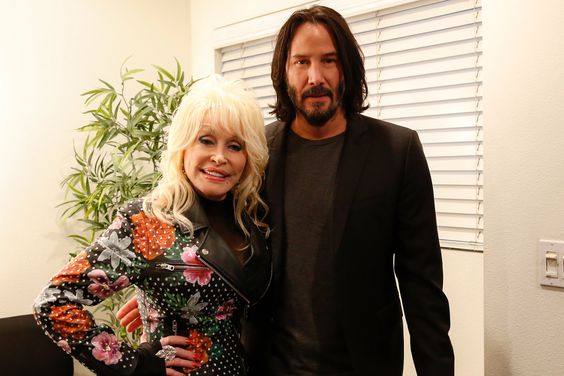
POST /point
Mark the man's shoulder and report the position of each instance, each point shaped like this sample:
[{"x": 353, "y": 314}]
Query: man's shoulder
[
  {"x": 377, "y": 125},
  {"x": 273, "y": 130}
]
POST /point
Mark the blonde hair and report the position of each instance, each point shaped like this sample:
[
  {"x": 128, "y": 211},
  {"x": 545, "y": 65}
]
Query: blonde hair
[{"x": 224, "y": 106}]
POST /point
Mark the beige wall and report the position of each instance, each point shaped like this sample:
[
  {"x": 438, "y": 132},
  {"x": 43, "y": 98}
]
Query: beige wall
[
  {"x": 50, "y": 52},
  {"x": 524, "y": 147}
]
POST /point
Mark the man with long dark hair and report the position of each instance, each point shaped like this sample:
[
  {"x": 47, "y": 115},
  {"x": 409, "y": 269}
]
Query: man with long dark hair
[{"x": 352, "y": 209}]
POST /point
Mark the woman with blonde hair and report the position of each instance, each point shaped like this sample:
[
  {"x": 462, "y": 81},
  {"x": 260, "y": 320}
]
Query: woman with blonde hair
[{"x": 194, "y": 248}]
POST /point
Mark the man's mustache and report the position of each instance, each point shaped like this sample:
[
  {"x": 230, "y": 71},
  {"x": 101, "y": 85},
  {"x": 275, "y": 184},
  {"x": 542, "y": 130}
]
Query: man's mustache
[{"x": 317, "y": 91}]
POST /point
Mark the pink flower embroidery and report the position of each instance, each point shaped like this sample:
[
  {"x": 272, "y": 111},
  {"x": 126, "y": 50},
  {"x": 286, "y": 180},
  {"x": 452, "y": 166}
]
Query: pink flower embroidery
[
  {"x": 64, "y": 345},
  {"x": 102, "y": 287},
  {"x": 106, "y": 348},
  {"x": 198, "y": 271},
  {"x": 117, "y": 223},
  {"x": 226, "y": 310}
]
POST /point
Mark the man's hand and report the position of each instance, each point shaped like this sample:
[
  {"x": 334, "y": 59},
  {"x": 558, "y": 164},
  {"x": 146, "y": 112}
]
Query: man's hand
[{"x": 129, "y": 316}]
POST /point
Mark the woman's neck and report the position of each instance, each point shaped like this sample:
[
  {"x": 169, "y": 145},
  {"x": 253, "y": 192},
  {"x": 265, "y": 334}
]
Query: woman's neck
[{"x": 222, "y": 219}]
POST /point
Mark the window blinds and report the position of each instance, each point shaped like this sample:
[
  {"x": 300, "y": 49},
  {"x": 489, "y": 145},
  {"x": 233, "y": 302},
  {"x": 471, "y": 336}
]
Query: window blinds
[{"x": 423, "y": 66}]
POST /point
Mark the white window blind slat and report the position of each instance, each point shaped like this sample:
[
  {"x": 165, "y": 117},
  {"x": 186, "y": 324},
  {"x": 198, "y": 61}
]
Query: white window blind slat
[
  {"x": 421, "y": 10},
  {"x": 472, "y": 178},
  {"x": 454, "y": 149},
  {"x": 424, "y": 109},
  {"x": 247, "y": 49},
  {"x": 458, "y": 220},
  {"x": 445, "y": 22},
  {"x": 265, "y": 92},
  {"x": 458, "y": 192},
  {"x": 433, "y": 94},
  {"x": 424, "y": 40},
  {"x": 464, "y": 163},
  {"x": 472, "y": 119},
  {"x": 365, "y": 23},
  {"x": 451, "y": 135},
  {"x": 428, "y": 67},
  {"x": 453, "y": 77},
  {"x": 251, "y": 61},
  {"x": 468, "y": 207},
  {"x": 423, "y": 63},
  {"x": 434, "y": 52}
]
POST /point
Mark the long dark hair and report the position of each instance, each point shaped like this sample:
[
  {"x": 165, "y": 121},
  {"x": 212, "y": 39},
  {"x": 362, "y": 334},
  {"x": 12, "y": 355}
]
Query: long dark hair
[{"x": 350, "y": 57}]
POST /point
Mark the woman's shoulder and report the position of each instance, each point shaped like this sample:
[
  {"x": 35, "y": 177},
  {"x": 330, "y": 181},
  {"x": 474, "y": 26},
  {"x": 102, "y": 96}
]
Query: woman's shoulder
[{"x": 132, "y": 207}]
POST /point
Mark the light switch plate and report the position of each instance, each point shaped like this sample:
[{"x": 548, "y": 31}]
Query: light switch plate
[{"x": 551, "y": 263}]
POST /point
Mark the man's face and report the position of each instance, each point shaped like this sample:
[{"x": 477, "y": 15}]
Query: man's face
[{"x": 313, "y": 74}]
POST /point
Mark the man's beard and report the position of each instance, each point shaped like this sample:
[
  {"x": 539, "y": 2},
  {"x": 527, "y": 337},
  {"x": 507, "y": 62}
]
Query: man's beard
[{"x": 317, "y": 116}]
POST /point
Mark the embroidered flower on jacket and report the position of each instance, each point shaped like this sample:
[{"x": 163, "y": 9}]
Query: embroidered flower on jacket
[
  {"x": 78, "y": 297},
  {"x": 44, "y": 297},
  {"x": 71, "y": 272},
  {"x": 199, "y": 272},
  {"x": 150, "y": 236},
  {"x": 64, "y": 345},
  {"x": 226, "y": 310},
  {"x": 70, "y": 321},
  {"x": 116, "y": 250},
  {"x": 106, "y": 348},
  {"x": 101, "y": 285},
  {"x": 193, "y": 308},
  {"x": 117, "y": 222},
  {"x": 200, "y": 345}
]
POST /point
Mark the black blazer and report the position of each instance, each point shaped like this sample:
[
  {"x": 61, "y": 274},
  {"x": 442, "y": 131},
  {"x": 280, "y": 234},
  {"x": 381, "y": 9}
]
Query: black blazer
[{"x": 384, "y": 227}]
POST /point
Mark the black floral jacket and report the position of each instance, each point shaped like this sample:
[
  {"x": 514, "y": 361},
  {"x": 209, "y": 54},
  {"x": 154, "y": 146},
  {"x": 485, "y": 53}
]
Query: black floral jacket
[{"x": 187, "y": 284}]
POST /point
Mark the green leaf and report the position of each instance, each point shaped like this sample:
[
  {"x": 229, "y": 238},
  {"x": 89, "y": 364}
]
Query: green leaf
[
  {"x": 109, "y": 86},
  {"x": 130, "y": 72},
  {"x": 164, "y": 71}
]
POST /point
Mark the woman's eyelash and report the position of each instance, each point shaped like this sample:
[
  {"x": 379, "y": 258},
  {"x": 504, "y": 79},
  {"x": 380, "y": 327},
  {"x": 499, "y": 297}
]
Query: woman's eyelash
[{"x": 204, "y": 140}]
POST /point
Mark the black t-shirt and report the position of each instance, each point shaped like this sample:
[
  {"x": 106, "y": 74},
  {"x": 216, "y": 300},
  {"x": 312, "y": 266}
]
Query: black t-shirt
[{"x": 307, "y": 338}]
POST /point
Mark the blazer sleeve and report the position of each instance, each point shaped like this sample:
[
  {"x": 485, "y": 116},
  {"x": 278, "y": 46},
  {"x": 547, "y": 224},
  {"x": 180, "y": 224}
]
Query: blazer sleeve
[
  {"x": 418, "y": 267},
  {"x": 104, "y": 268}
]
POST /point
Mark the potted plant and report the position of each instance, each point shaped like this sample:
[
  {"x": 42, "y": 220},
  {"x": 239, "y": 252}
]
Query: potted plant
[{"x": 119, "y": 158}]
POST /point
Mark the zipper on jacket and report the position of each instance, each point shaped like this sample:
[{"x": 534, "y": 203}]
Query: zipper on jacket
[
  {"x": 174, "y": 267},
  {"x": 175, "y": 327},
  {"x": 180, "y": 267}
]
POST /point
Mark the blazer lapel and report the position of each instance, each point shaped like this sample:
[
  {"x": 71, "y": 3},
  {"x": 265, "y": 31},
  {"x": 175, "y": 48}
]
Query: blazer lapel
[
  {"x": 275, "y": 192},
  {"x": 353, "y": 159}
]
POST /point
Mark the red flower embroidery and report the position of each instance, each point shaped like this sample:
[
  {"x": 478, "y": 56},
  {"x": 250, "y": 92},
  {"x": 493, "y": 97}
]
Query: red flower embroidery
[
  {"x": 200, "y": 345},
  {"x": 150, "y": 236},
  {"x": 72, "y": 271},
  {"x": 71, "y": 321}
]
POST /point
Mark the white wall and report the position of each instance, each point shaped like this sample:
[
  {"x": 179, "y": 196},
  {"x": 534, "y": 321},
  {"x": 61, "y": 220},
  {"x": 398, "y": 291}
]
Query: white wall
[
  {"x": 463, "y": 270},
  {"x": 524, "y": 195},
  {"x": 50, "y": 52}
]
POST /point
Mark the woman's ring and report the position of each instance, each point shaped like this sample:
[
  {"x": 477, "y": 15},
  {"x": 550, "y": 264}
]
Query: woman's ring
[{"x": 167, "y": 353}]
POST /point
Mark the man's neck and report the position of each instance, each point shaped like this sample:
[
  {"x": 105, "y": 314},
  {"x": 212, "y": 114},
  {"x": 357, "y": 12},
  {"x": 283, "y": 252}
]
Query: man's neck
[{"x": 334, "y": 126}]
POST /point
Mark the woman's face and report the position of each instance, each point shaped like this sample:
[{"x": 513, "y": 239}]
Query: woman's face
[{"x": 214, "y": 163}]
